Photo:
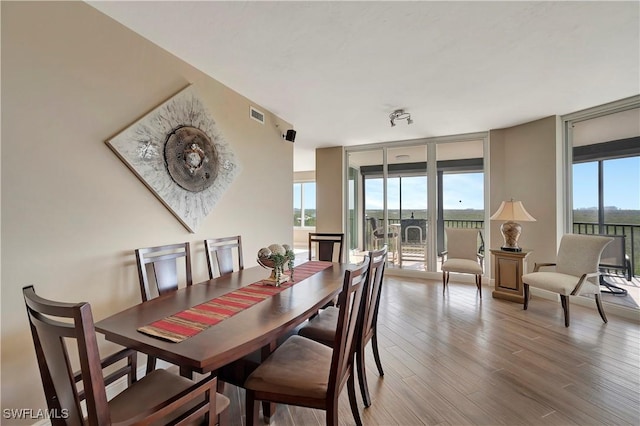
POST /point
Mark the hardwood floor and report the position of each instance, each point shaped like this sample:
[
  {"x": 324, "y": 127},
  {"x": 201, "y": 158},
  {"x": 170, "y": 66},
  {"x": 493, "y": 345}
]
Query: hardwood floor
[{"x": 461, "y": 360}]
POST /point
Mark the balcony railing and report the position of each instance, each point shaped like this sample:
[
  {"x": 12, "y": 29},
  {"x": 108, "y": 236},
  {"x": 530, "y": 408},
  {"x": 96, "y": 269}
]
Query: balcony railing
[
  {"x": 631, "y": 231},
  {"x": 632, "y": 240}
]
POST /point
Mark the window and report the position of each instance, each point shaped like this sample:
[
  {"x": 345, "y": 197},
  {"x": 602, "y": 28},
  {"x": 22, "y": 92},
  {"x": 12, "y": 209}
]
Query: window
[{"x": 304, "y": 204}]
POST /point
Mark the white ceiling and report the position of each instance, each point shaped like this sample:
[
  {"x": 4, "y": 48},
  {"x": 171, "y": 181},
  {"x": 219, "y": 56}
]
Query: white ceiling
[{"x": 336, "y": 70}]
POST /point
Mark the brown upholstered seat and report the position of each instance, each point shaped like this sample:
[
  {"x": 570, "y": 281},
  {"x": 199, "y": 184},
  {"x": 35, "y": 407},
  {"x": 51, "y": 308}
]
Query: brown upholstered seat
[
  {"x": 322, "y": 327},
  {"x": 306, "y": 373},
  {"x": 220, "y": 255},
  {"x": 157, "y": 398}
]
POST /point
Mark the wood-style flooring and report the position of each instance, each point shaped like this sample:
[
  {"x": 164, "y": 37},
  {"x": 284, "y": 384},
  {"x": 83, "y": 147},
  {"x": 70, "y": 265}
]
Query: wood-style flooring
[{"x": 461, "y": 360}]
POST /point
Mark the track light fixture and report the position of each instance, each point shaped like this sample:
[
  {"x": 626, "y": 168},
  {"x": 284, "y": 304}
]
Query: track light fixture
[{"x": 399, "y": 114}]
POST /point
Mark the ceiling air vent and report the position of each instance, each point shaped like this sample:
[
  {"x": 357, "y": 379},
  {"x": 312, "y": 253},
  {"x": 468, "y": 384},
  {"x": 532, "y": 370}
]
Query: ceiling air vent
[{"x": 257, "y": 115}]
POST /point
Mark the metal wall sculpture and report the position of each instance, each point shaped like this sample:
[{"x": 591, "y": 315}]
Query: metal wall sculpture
[{"x": 179, "y": 153}]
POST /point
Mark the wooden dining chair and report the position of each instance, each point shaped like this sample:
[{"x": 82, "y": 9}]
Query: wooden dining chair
[
  {"x": 161, "y": 264},
  {"x": 220, "y": 255},
  {"x": 322, "y": 327},
  {"x": 157, "y": 398},
  {"x": 325, "y": 245},
  {"x": 306, "y": 373}
]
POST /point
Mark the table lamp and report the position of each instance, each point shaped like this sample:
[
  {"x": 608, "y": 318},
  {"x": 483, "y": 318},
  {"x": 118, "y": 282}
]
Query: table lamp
[{"x": 511, "y": 211}]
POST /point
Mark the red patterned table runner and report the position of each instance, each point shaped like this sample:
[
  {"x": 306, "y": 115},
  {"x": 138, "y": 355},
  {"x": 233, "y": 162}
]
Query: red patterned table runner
[{"x": 192, "y": 321}]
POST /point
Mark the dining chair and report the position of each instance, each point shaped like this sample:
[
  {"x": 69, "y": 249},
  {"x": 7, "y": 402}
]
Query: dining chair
[
  {"x": 306, "y": 373},
  {"x": 576, "y": 272},
  {"x": 325, "y": 245},
  {"x": 462, "y": 255},
  {"x": 220, "y": 255},
  {"x": 322, "y": 327},
  {"x": 161, "y": 264},
  {"x": 159, "y": 397}
]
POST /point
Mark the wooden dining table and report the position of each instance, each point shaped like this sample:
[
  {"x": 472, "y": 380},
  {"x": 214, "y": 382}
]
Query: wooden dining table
[{"x": 255, "y": 328}]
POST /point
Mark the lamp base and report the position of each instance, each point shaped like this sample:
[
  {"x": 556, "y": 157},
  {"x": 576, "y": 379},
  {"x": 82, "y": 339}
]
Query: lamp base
[{"x": 514, "y": 249}]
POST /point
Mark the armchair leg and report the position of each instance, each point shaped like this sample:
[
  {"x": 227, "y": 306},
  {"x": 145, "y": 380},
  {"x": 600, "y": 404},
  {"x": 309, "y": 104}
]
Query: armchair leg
[
  {"x": 600, "y": 309},
  {"x": 565, "y": 307},
  {"x": 526, "y": 296},
  {"x": 479, "y": 284},
  {"x": 445, "y": 281}
]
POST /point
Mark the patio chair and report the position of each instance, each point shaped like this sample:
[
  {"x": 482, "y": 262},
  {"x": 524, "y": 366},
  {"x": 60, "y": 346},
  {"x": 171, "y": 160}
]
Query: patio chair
[{"x": 614, "y": 257}]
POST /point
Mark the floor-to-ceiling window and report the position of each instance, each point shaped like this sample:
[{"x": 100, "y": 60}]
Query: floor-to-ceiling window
[
  {"x": 407, "y": 193},
  {"x": 603, "y": 150}
]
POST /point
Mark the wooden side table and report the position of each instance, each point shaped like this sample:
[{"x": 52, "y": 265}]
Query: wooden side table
[{"x": 508, "y": 267}]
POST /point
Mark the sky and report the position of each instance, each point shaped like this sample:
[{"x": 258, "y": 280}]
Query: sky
[
  {"x": 621, "y": 184},
  {"x": 465, "y": 190}
]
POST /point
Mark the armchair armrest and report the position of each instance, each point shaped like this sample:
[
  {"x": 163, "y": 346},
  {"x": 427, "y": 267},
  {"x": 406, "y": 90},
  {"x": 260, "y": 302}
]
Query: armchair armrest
[
  {"x": 127, "y": 370},
  {"x": 583, "y": 278},
  {"x": 540, "y": 265}
]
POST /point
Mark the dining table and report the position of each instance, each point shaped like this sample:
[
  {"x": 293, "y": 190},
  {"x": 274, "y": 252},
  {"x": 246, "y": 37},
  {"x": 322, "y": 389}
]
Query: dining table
[{"x": 256, "y": 328}]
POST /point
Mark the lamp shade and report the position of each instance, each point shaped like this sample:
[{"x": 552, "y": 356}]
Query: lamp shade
[{"x": 514, "y": 211}]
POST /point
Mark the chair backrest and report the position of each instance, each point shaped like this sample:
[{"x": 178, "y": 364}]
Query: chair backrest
[
  {"x": 326, "y": 244},
  {"x": 350, "y": 303},
  {"x": 462, "y": 243},
  {"x": 372, "y": 291},
  {"x": 163, "y": 262},
  {"x": 614, "y": 254},
  {"x": 52, "y": 325},
  {"x": 580, "y": 254},
  {"x": 220, "y": 254}
]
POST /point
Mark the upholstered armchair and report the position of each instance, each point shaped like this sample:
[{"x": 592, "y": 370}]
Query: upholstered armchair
[
  {"x": 462, "y": 255},
  {"x": 576, "y": 272}
]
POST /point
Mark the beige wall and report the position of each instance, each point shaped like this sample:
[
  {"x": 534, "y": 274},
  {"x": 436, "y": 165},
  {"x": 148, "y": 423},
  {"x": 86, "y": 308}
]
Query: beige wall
[
  {"x": 329, "y": 189},
  {"x": 523, "y": 167},
  {"x": 72, "y": 212}
]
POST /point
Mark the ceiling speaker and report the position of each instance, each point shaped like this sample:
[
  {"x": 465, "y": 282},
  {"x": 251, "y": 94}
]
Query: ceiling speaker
[{"x": 291, "y": 135}]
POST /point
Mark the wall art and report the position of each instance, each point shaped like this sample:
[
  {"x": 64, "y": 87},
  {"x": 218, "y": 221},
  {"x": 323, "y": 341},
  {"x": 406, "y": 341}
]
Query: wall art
[{"x": 178, "y": 152}]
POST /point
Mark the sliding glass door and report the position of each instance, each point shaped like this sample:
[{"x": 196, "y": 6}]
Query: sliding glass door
[{"x": 406, "y": 196}]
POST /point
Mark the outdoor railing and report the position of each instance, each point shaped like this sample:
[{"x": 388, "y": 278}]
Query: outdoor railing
[
  {"x": 632, "y": 240},
  {"x": 632, "y": 233}
]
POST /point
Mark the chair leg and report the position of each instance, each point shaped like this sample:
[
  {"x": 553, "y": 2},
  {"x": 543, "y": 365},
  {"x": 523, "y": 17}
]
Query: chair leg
[
  {"x": 565, "y": 307},
  {"x": 376, "y": 354},
  {"x": 479, "y": 284},
  {"x": 445, "y": 281},
  {"x": 600, "y": 309},
  {"x": 252, "y": 409},
  {"x": 351, "y": 390},
  {"x": 332, "y": 413},
  {"x": 526, "y": 296},
  {"x": 151, "y": 363},
  {"x": 362, "y": 376}
]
